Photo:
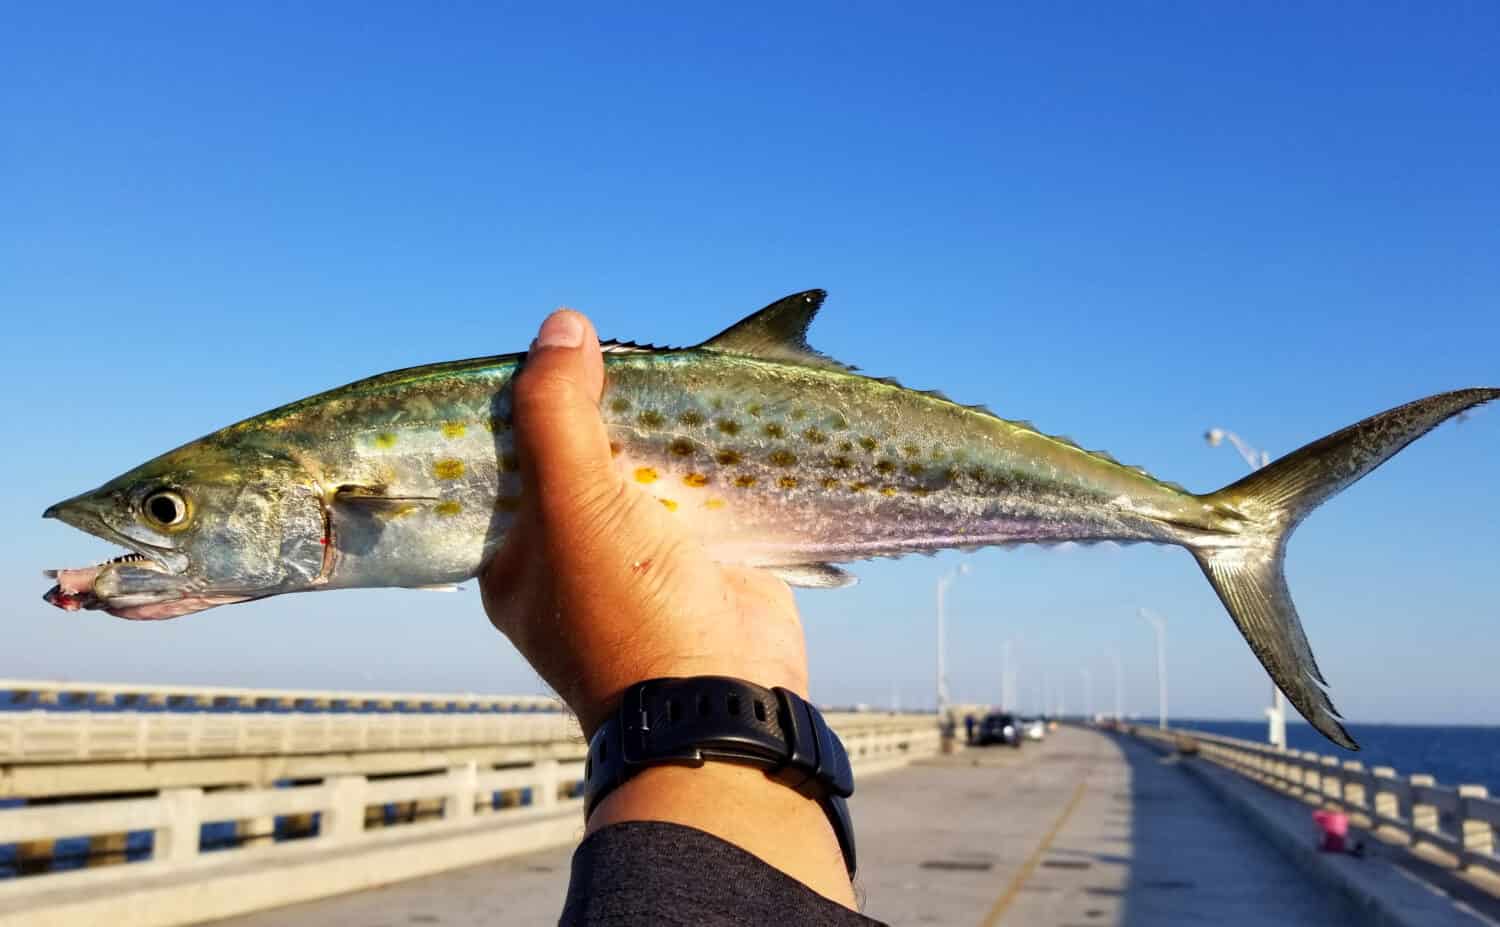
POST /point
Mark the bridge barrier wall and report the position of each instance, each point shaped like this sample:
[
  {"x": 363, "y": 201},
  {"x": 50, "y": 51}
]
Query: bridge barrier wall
[
  {"x": 58, "y": 693},
  {"x": 473, "y": 813},
  {"x": 1451, "y": 825}
]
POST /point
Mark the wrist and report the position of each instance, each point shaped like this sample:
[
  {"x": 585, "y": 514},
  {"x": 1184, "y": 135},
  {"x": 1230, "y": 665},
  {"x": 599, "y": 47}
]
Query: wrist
[
  {"x": 593, "y": 708},
  {"x": 742, "y": 806}
]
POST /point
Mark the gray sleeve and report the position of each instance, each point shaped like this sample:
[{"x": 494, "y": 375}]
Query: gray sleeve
[{"x": 645, "y": 872}]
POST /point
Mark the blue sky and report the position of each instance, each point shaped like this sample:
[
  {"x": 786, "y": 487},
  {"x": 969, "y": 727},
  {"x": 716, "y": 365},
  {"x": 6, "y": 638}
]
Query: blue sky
[{"x": 1125, "y": 224}]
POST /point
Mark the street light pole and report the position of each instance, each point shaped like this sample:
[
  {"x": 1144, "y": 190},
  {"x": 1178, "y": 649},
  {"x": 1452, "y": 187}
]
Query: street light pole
[
  {"x": 1159, "y": 624},
  {"x": 1088, "y": 693},
  {"x": 1276, "y": 713},
  {"x": 943, "y": 583},
  {"x": 1114, "y": 657},
  {"x": 1010, "y": 690}
]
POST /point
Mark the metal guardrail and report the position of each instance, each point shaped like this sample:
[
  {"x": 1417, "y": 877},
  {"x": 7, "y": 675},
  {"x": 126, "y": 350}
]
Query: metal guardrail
[{"x": 1456, "y": 821}]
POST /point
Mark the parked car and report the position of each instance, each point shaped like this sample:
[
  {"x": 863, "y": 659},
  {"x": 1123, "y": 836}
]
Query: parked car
[
  {"x": 1034, "y": 729},
  {"x": 999, "y": 728}
]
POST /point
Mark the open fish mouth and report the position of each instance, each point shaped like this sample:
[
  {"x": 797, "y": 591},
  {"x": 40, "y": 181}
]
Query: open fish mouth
[
  {"x": 147, "y": 583},
  {"x": 75, "y": 587},
  {"x": 77, "y": 590}
]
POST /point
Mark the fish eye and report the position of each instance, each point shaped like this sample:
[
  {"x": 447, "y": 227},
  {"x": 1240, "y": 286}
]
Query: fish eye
[{"x": 165, "y": 508}]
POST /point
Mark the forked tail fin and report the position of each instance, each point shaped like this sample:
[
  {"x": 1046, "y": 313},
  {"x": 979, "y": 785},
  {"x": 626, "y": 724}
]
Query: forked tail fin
[{"x": 1247, "y": 571}]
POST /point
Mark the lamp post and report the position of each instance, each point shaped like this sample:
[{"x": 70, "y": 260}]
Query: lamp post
[
  {"x": 943, "y": 583},
  {"x": 1114, "y": 658},
  {"x": 1088, "y": 693},
  {"x": 1008, "y": 688},
  {"x": 1159, "y": 624},
  {"x": 1276, "y": 713}
]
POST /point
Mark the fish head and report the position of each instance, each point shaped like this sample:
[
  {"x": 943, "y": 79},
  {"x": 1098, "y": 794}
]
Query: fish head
[{"x": 206, "y": 525}]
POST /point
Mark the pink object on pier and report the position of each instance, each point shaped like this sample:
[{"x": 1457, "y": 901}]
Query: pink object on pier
[{"x": 1334, "y": 829}]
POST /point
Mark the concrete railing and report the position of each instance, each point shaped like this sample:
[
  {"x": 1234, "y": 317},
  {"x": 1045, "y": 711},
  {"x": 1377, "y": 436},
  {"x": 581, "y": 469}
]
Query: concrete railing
[
  {"x": 358, "y": 830},
  {"x": 84, "y": 736},
  {"x": 123, "y": 694},
  {"x": 1456, "y": 824}
]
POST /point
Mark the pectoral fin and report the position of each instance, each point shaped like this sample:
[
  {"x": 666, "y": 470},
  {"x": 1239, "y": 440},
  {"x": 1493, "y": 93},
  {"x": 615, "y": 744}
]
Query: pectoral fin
[
  {"x": 814, "y": 576},
  {"x": 376, "y": 498}
]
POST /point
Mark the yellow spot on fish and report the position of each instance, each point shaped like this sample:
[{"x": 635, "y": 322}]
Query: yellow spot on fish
[
  {"x": 449, "y": 468},
  {"x": 830, "y": 484},
  {"x": 754, "y": 409},
  {"x": 814, "y": 436},
  {"x": 385, "y": 440},
  {"x": 868, "y": 443},
  {"x": 858, "y": 487},
  {"x": 782, "y": 458},
  {"x": 744, "y": 481},
  {"x": 645, "y": 475},
  {"x": 508, "y": 504},
  {"x": 619, "y": 404},
  {"x": 448, "y": 509},
  {"x": 670, "y": 504},
  {"x": 727, "y": 457},
  {"x": 846, "y": 446},
  {"x": 910, "y": 450},
  {"x": 650, "y": 418},
  {"x": 397, "y": 513},
  {"x": 714, "y": 503},
  {"x": 913, "y": 469},
  {"x": 788, "y": 482},
  {"x": 887, "y": 490},
  {"x": 695, "y": 480},
  {"x": 690, "y": 417},
  {"x": 454, "y": 429},
  {"x": 885, "y": 466},
  {"x": 840, "y": 463},
  {"x": 680, "y": 447},
  {"x": 774, "y": 430},
  {"x": 729, "y": 426}
]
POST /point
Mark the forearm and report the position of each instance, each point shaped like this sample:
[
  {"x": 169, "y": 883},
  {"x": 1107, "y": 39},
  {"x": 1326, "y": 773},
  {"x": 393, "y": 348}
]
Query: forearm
[{"x": 740, "y": 805}]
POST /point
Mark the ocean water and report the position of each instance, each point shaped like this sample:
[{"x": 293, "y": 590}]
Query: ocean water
[{"x": 1454, "y": 755}]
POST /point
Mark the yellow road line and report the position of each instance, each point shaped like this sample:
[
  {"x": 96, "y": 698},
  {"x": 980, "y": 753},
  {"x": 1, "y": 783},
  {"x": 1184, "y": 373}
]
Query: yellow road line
[{"x": 1008, "y": 897}]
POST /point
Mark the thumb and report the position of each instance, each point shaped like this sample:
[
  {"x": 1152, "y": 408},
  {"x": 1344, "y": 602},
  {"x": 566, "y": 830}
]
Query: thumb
[{"x": 563, "y": 446}]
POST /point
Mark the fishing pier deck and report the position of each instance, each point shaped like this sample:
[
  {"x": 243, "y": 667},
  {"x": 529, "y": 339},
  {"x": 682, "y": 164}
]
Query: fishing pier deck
[{"x": 393, "y": 809}]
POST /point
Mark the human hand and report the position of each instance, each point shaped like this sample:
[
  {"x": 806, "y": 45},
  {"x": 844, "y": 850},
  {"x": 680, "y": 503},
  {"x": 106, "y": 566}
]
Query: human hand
[{"x": 598, "y": 585}]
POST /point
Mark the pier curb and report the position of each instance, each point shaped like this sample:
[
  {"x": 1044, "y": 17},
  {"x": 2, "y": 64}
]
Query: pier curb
[{"x": 1385, "y": 895}]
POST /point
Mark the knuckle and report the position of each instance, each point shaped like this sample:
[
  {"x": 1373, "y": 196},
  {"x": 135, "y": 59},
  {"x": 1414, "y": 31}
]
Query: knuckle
[{"x": 538, "y": 391}]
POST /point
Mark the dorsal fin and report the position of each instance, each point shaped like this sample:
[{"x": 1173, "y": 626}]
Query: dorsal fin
[{"x": 777, "y": 332}]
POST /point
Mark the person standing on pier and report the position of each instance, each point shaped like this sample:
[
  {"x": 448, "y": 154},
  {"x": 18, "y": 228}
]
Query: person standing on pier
[{"x": 601, "y": 589}]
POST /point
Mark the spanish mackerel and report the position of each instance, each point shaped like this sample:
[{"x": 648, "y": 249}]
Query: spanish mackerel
[{"x": 774, "y": 455}]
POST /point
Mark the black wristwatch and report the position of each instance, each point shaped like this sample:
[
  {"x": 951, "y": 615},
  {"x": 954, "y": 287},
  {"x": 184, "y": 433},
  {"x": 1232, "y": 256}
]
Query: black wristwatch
[{"x": 687, "y": 721}]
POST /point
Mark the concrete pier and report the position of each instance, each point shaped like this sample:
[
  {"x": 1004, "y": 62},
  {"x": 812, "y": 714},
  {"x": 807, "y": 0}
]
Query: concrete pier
[{"x": 1084, "y": 829}]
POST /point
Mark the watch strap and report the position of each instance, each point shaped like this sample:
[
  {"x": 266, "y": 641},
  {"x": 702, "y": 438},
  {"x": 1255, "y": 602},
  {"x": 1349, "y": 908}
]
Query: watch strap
[{"x": 689, "y": 721}]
